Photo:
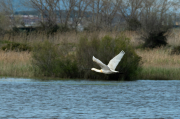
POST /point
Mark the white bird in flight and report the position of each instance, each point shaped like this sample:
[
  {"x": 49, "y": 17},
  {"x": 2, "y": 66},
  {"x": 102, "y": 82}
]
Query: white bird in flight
[{"x": 110, "y": 68}]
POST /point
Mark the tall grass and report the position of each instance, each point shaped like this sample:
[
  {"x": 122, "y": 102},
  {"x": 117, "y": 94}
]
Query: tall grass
[
  {"x": 15, "y": 64},
  {"x": 159, "y": 57},
  {"x": 73, "y": 37},
  {"x": 159, "y": 64}
]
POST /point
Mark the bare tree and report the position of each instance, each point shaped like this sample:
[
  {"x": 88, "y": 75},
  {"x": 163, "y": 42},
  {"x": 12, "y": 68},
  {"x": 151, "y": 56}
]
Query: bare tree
[
  {"x": 139, "y": 11},
  {"x": 7, "y": 6},
  {"x": 96, "y": 7},
  {"x": 7, "y": 9},
  {"x": 79, "y": 13},
  {"x": 47, "y": 10},
  {"x": 156, "y": 14},
  {"x": 54, "y": 10},
  {"x": 102, "y": 13},
  {"x": 109, "y": 12},
  {"x": 156, "y": 22},
  {"x": 69, "y": 6},
  {"x": 130, "y": 10}
]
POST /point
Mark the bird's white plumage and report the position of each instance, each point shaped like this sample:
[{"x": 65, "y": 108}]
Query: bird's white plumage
[
  {"x": 101, "y": 64},
  {"x": 115, "y": 61},
  {"x": 110, "y": 68}
]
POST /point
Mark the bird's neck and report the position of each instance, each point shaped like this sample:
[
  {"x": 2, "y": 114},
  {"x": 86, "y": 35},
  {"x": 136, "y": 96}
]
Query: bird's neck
[{"x": 97, "y": 70}]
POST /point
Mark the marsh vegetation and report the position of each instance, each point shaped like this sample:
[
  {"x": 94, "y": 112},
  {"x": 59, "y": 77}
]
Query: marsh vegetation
[
  {"x": 68, "y": 55},
  {"x": 56, "y": 48}
]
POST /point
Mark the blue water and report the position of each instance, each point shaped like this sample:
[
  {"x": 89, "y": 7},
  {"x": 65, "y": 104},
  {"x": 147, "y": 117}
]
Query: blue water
[{"x": 28, "y": 98}]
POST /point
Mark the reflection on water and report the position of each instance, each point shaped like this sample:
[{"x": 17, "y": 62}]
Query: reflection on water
[{"x": 27, "y": 98}]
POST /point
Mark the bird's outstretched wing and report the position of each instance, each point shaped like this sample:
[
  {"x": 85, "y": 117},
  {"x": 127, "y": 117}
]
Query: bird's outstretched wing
[
  {"x": 102, "y": 65},
  {"x": 115, "y": 61}
]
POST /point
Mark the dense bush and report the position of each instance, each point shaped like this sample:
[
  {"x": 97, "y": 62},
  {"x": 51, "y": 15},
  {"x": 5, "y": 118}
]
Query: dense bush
[
  {"x": 49, "y": 60},
  {"x": 16, "y": 47},
  {"x": 154, "y": 30},
  {"x": 176, "y": 50},
  {"x": 105, "y": 49},
  {"x": 155, "y": 39}
]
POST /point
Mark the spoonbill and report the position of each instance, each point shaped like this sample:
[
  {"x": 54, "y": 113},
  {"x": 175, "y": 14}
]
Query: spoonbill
[{"x": 110, "y": 68}]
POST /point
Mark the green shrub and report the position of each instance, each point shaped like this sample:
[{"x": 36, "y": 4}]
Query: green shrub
[
  {"x": 105, "y": 49},
  {"x": 16, "y": 46},
  {"x": 50, "y": 61},
  {"x": 58, "y": 61},
  {"x": 84, "y": 52}
]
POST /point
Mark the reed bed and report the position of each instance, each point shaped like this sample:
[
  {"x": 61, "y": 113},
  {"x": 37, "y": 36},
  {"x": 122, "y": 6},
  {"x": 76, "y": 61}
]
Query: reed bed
[
  {"x": 160, "y": 73},
  {"x": 159, "y": 57},
  {"x": 15, "y": 64},
  {"x": 159, "y": 64}
]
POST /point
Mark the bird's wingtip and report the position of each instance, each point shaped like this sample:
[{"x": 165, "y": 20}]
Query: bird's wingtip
[{"x": 123, "y": 52}]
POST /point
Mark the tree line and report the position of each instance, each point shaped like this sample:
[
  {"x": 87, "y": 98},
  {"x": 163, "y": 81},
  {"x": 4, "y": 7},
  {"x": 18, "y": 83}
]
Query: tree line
[
  {"x": 103, "y": 14},
  {"x": 151, "y": 18}
]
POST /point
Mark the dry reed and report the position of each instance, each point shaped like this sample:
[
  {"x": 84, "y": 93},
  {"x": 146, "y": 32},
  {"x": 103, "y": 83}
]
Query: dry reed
[
  {"x": 159, "y": 64},
  {"x": 15, "y": 64},
  {"x": 174, "y": 37},
  {"x": 159, "y": 57},
  {"x": 73, "y": 37}
]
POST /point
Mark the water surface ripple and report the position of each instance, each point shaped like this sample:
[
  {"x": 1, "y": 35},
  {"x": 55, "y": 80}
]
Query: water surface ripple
[{"x": 27, "y": 98}]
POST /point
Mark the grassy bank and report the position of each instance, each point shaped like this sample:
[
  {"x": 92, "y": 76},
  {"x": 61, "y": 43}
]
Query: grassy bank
[
  {"x": 160, "y": 73},
  {"x": 156, "y": 63}
]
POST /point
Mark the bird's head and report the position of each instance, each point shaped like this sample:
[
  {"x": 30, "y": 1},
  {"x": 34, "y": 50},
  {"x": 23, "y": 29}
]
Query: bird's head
[{"x": 93, "y": 59}]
